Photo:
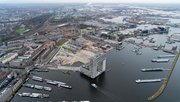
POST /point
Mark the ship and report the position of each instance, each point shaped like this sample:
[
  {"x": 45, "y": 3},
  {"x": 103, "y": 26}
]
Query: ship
[
  {"x": 47, "y": 88},
  {"x": 38, "y": 87},
  {"x": 29, "y": 85},
  {"x": 45, "y": 95},
  {"x": 152, "y": 69},
  {"x": 165, "y": 56},
  {"x": 51, "y": 82},
  {"x": 169, "y": 51},
  {"x": 64, "y": 86},
  {"x": 160, "y": 60},
  {"x": 34, "y": 95},
  {"x": 120, "y": 48},
  {"x": 148, "y": 80},
  {"x": 36, "y": 78},
  {"x": 155, "y": 48},
  {"x": 42, "y": 70},
  {"x": 94, "y": 85},
  {"x": 24, "y": 94},
  {"x": 58, "y": 82}
]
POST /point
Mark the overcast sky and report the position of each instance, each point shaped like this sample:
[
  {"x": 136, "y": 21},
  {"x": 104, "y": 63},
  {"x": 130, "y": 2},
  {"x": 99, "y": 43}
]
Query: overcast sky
[{"x": 92, "y": 1}]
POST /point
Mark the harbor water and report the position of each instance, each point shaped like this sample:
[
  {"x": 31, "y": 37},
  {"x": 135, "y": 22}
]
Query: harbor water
[{"x": 117, "y": 84}]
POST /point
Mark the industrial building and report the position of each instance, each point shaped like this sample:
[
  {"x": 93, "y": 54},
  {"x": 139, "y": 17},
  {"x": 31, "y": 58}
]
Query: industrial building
[{"x": 8, "y": 57}]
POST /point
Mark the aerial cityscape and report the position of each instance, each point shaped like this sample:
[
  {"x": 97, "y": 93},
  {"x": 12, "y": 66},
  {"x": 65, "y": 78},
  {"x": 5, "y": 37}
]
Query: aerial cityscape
[{"x": 89, "y": 51}]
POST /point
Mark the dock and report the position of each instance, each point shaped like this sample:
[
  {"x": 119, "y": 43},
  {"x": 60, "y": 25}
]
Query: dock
[{"x": 166, "y": 80}]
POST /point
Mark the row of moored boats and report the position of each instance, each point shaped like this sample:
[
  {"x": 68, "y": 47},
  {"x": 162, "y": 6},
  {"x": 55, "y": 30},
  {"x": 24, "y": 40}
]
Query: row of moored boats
[{"x": 51, "y": 82}]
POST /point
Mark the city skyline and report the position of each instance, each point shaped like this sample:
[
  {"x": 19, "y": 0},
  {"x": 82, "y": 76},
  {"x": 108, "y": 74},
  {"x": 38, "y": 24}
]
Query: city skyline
[{"x": 90, "y": 1}]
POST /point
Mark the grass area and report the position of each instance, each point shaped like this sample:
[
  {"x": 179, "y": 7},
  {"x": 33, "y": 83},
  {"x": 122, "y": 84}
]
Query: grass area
[
  {"x": 62, "y": 41},
  {"x": 20, "y": 30}
]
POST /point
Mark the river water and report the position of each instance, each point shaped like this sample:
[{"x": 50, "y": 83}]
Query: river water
[
  {"x": 118, "y": 83},
  {"x": 115, "y": 85}
]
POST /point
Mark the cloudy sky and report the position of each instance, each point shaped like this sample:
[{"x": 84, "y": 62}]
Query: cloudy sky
[{"x": 92, "y": 1}]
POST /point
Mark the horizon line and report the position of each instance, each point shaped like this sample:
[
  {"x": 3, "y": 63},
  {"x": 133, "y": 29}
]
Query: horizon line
[{"x": 89, "y": 2}]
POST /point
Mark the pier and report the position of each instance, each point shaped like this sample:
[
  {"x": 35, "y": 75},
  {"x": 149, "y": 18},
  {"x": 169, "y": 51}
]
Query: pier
[{"x": 165, "y": 82}]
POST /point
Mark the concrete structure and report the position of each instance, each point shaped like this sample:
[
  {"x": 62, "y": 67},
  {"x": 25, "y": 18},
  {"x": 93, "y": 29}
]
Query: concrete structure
[{"x": 95, "y": 67}]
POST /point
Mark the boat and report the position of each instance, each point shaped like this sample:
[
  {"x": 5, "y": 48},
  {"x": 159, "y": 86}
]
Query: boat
[
  {"x": 27, "y": 79},
  {"x": 152, "y": 69},
  {"x": 36, "y": 78},
  {"x": 169, "y": 51},
  {"x": 64, "y": 86},
  {"x": 58, "y": 82},
  {"x": 47, "y": 88},
  {"x": 42, "y": 70},
  {"x": 29, "y": 85},
  {"x": 155, "y": 48},
  {"x": 120, "y": 47},
  {"x": 94, "y": 85},
  {"x": 51, "y": 82},
  {"x": 24, "y": 94},
  {"x": 160, "y": 60},
  {"x": 138, "y": 53},
  {"x": 165, "y": 56},
  {"x": 148, "y": 80},
  {"x": 45, "y": 95},
  {"x": 36, "y": 95},
  {"x": 38, "y": 87}
]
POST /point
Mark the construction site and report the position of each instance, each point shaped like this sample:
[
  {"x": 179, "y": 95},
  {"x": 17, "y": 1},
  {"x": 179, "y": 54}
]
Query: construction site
[{"x": 79, "y": 50}]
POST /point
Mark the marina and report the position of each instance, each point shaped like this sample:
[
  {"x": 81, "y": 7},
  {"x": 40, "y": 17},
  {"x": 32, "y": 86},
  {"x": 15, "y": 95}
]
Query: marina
[{"x": 166, "y": 79}]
